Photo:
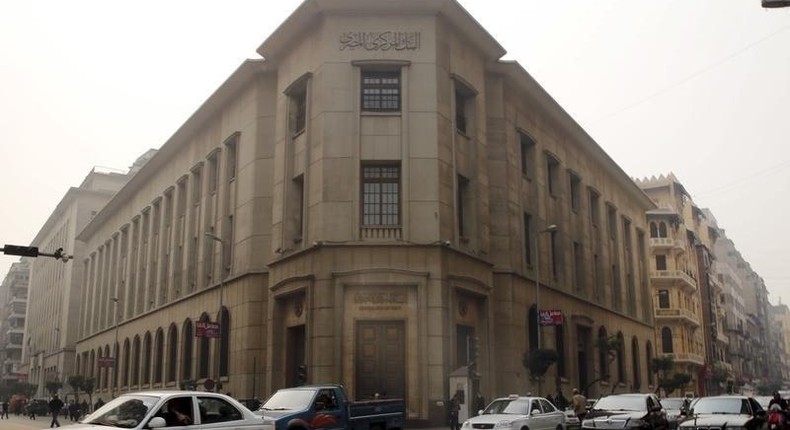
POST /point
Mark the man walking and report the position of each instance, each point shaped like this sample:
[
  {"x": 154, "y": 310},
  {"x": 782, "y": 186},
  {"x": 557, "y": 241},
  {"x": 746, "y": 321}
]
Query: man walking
[
  {"x": 4, "y": 412},
  {"x": 579, "y": 403},
  {"x": 55, "y": 406}
]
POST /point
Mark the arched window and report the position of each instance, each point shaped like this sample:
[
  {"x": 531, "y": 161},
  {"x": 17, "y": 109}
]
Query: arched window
[
  {"x": 649, "y": 357},
  {"x": 116, "y": 370},
  {"x": 159, "y": 353},
  {"x": 224, "y": 346},
  {"x": 666, "y": 340},
  {"x": 203, "y": 354},
  {"x": 635, "y": 363},
  {"x": 126, "y": 361},
  {"x": 621, "y": 376},
  {"x": 172, "y": 353},
  {"x": 603, "y": 353},
  {"x": 147, "y": 358},
  {"x": 532, "y": 327},
  {"x": 653, "y": 229},
  {"x": 136, "y": 361},
  {"x": 186, "y": 356},
  {"x": 92, "y": 370}
]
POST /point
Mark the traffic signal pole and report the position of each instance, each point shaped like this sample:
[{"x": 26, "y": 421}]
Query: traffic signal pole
[{"x": 33, "y": 252}]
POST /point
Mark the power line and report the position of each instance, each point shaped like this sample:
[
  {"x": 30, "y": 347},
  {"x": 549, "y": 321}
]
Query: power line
[
  {"x": 690, "y": 77},
  {"x": 741, "y": 181}
]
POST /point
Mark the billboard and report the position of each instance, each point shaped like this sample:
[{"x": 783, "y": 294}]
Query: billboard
[
  {"x": 206, "y": 329},
  {"x": 552, "y": 317}
]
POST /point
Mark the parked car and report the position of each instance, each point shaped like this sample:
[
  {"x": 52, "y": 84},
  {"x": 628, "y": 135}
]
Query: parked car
[
  {"x": 572, "y": 422},
  {"x": 732, "y": 412},
  {"x": 516, "y": 412},
  {"x": 676, "y": 409},
  {"x": 627, "y": 411},
  {"x": 155, "y": 409},
  {"x": 326, "y": 406}
]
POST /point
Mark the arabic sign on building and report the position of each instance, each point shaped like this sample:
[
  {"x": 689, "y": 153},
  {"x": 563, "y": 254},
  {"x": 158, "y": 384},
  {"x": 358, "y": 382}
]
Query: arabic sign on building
[
  {"x": 106, "y": 361},
  {"x": 206, "y": 329},
  {"x": 553, "y": 317},
  {"x": 380, "y": 40}
]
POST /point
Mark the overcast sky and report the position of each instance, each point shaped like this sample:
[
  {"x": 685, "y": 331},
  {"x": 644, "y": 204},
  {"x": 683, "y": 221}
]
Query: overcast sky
[{"x": 698, "y": 88}]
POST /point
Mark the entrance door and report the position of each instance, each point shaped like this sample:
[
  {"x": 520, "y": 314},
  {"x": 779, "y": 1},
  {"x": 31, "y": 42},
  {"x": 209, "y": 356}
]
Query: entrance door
[
  {"x": 380, "y": 359},
  {"x": 295, "y": 356}
]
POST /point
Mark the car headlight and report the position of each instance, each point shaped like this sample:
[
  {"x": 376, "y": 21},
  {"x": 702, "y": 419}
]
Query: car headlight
[
  {"x": 466, "y": 425},
  {"x": 503, "y": 424},
  {"x": 588, "y": 423}
]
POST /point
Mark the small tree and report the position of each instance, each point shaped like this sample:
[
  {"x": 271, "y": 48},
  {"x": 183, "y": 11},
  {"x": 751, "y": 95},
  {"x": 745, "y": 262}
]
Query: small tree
[
  {"x": 88, "y": 386},
  {"x": 76, "y": 382},
  {"x": 53, "y": 387},
  {"x": 662, "y": 366},
  {"x": 538, "y": 362}
]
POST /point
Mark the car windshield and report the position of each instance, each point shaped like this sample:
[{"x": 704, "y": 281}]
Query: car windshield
[
  {"x": 125, "y": 412},
  {"x": 720, "y": 405},
  {"x": 508, "y": 406},
  {"x": 288, "y": 400},
  {"x": 621, "y": 403}
]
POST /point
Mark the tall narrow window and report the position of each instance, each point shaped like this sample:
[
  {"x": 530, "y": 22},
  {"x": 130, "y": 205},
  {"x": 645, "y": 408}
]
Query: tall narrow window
[
  {"x": 575, "y": 185},
  {"x": 555, "y": 267},
  {"x": 224, "y": 344},
  {"x": 213, "y": 171},
  {"x": 635, "y": 363},
  {"x": 172, "y": 353},
  {"x": 595, "y": 209},
  {"x": 578, "y": 267},
  {"x": 381, "y": 91},
  {"x": 552, "y": 174},
  {"x": 603, "y": 353},
  {"x": 186, "y": 354},
  {"x": 159, "y": 353},
  {"x": 463, "y": 203},
  {"x": 663, "y": 299},
  {"x": 464, "y": 108},
  {"x": 381, "y": 195},
  {"x": 527, "y": 154},
  {"x": 147, "y": 359},
  {"x": 203, "y": 352},
  {"x": 231, "y": 157},
  {"x": 528, "y": 239},
  {"x": 297, "y": 110},
  {"x": 296, "y": 209},
  {"x": 559, "y": 345},
  {"x": 666, "y": 340}
]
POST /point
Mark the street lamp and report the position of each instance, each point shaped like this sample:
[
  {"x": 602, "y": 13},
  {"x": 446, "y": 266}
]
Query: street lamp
[
  {"x": 213, "y": 236},
  {"x": 115, "y": 351},
  {"x": 550, "y": 228}
]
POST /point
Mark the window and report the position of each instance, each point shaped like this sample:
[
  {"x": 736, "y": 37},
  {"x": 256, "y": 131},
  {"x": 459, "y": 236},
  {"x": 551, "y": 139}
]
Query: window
[
  {"x": 527, "y": 154},
  {"x": 575, "y": 184},
  {"x": 296, "y": 208},
  {"x": 595, "y": 210},
  {"x": 213, "y": 171},
  {"x": 611, "y": 219},
  {"x": 159, "y": 348},
  {"x": 381, "y": 91},
  {"x": 555, "y": 271},
  {"x": 661, "y": 262},
  {"x": 231, "y": 146},
  {"x": 297, "y": 110},
  {"x": 460, "y": 112},
  {"x": 663, "y": 299},
  {"x": 172, "y": 352},
  {"x": 649, "y": 361},
  {"x": 381, "y": 195},
  {"x": 203, "y": 351},
  {"x": 666, "y": 340},
  {"x": 552, "y": 172},
  {"x": 186, "y": 355},
  {"x": 603, "y": 354},
  {"x": 463, "y": 203},
  {"x": 578, "y": 266},
  {"x": 635, "y": 367},
  {"x": 464, "y": 107},
  {"x": 528, "y": 238},
  {"x": 621, "y": 377},
  {"x": 559, "y": 345},
  {"x": 215, "y": 410}
]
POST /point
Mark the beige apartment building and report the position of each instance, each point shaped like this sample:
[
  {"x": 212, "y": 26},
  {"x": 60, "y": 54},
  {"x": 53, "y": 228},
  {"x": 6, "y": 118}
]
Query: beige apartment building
[
  {"x": 377, "y": 196},
  {"x": 674, "y": 278}
]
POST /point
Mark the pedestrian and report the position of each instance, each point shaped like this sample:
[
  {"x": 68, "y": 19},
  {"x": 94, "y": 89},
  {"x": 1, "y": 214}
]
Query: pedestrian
[
  {"x": 31, "y": 410},
  {"x": 55, "y": 406},
  {"x": 84, "y": 407},
  {"x": 455, "y": 406},
  {"x": 480, "y": 403},
  {"x": 74, "y": 411},
  {"x": 579, "y": 403},
  {"x": 560, "y": 401},
  {"x": 99, "y": 403},
  {"x": 4, "y": 411}
]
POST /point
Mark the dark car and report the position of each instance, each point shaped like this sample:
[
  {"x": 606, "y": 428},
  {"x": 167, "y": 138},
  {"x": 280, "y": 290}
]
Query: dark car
[
  {"x": 627, "y": 411},
  {"x": 732, "y": 412}
]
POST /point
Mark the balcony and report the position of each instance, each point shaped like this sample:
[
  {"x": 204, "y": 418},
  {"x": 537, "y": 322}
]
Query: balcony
[
  {"x": 677, "y": 314},
  {"x": 688, "y": 358},
  {"x": 674, "y": 277},
  {"x": 722, "y": 338},
  {"x": 380, "y": 233},
  {"x": 666, "y": 243}
]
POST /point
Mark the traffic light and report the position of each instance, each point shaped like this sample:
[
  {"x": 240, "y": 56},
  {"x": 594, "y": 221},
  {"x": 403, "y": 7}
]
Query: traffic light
[{"x": 23, "y": 251}]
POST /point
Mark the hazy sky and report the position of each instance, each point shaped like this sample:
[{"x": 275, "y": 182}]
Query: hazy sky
[{"x": 698, "y": 88}]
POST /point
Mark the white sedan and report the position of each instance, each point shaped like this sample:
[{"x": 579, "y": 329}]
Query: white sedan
[
  {"x": 154, "y": 409},
  {"x": 518, "y": 413}
]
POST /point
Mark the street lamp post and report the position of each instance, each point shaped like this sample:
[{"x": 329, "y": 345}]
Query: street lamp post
[
  {"x": 214, "y": 237},
  {"x": 115, "y": 351},
  {"x": 550, "y": 228}
]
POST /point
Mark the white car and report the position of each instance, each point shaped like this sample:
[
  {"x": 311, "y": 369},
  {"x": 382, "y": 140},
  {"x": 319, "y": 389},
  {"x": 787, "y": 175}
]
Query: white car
[
  {"x": 517, "y": 413},
  {"x": 154, "y": 409}
]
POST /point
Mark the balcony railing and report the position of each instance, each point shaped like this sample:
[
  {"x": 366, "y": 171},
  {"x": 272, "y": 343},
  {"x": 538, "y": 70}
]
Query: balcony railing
[
  {"x": 666, "y": 242},
  {"x": 380, "y": 233},
  {"x": 684, "y": 278},
  {"x": 677, "y": 313},
  {"x": 688, "y": 357}
]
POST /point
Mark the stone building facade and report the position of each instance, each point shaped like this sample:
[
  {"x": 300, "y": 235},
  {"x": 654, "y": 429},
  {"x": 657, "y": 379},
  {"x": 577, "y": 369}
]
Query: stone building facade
[
  {"x": 373, "y": 201},
  {"x": 13, "y": 306}
]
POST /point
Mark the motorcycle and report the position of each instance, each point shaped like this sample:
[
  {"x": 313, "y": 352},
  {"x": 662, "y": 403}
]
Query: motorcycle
[{"x": 776, "y": 418}]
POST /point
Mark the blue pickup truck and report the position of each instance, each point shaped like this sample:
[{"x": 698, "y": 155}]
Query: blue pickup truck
[{"x": 313, "y": 407}]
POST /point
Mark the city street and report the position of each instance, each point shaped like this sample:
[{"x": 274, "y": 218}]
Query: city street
[{"x": 20, "y": 422}]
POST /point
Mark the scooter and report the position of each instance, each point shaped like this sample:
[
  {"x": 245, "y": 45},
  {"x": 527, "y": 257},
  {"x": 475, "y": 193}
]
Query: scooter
[{"x": 776, "y": 418}]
